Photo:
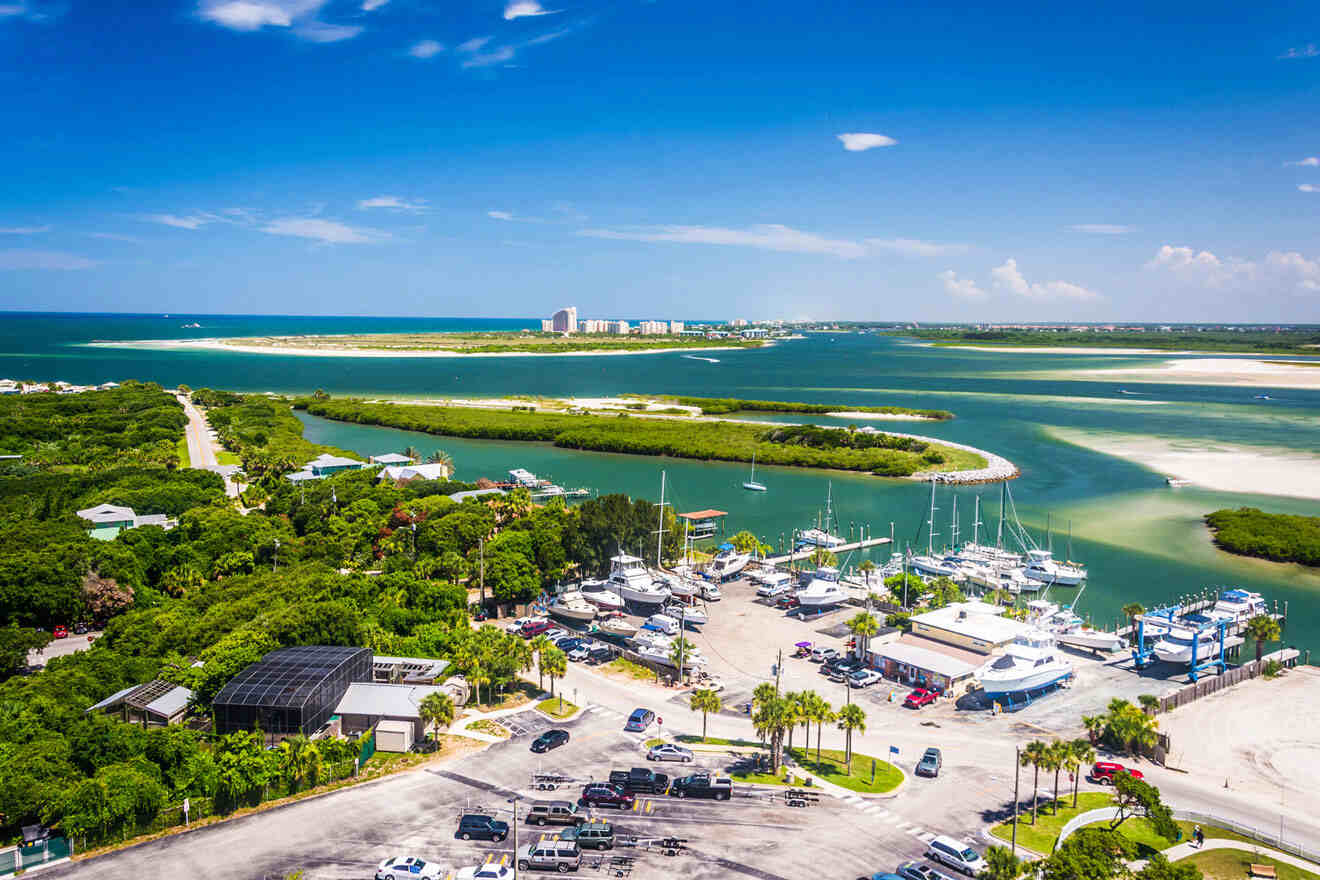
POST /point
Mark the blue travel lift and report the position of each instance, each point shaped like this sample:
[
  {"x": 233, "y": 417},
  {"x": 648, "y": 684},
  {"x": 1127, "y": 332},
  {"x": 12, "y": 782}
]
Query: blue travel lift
[{"x": 1143, "y": 656}]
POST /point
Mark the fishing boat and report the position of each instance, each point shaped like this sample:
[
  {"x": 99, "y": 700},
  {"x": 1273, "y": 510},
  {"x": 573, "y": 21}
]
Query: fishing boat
[
  {"x": 1175, "y": 646},
  {"x": 1031, "y": 661},
  {"x": 1239, "y": 605},
  {"x": 1071, "y": 630},
  {"x": 1043, "y": 567},
  {"x": 823, "y": 590},
  {"x": 680, "y": 585},
  {"x": 751, "y": 484},
  {"x": 728, "y": 563},
  {"x": 630, "y": 578},
  {"x": 598, "y": 593},
  {"x": 687, "y": 614},
  {"x": 572, "y": 605}
]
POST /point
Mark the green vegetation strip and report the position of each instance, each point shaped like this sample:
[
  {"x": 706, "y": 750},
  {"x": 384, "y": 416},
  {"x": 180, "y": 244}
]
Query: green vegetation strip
[
  {"x": 854, "y": 777},
  {"x": 1280, "y": 537},
  {"x": 488, "y": 343},
  {"x": 181, "y": 450},
  {"x": 1267, "y": 341},
  {"x": 722, "y": 405},
  {"x": 556, "y": 708},
  {"x": 1235, "y": 864},
  {"x": 793, "y": 446},
  {"x": 717, "y": 741}
]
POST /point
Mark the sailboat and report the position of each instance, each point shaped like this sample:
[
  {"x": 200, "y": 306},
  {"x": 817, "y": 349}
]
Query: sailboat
[
  {"x": 751, "y": 484},
  {"x": 822, "y": 537}
]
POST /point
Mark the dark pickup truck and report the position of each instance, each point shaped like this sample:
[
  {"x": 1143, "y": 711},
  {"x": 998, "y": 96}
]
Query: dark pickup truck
[
  {"x": 703, "y": 785},
  {"x": 640, "y": 780}
]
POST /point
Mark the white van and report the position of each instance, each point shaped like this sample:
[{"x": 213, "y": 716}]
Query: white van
[
  {"x": 773, "y": 583},
  {"x": 956, "y": 855},
  {"x": 663, "y": 623}
]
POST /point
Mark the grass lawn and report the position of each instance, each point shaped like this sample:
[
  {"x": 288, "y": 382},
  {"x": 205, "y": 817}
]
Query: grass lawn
[
  {"x": 224, "y": 456},
  {"x": 1232, "y": 864},
  {"x": 486, "y": 725},
  {"x": 556, "y": 708},
  {"x": 1041, "y": 837},
  {"x": 653, "y": 742},
  {"x": 833, "y": 769},
  {"x": 760, "y": 778},
  {"x": 635, "y": 670},
  {"x": 716, "y": 741},
  {"x": 181, "y": 449}
]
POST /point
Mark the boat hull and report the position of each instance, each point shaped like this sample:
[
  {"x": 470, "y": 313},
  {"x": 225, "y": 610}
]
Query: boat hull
[
  {"x": 1021, "y": 684},
  {"x": 647, "y": 597},
  {"x": 1095, "y": 640}
]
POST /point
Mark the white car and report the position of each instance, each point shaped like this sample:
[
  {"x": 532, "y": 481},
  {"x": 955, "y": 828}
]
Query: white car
[
  {"x": 581, "y": 652},
  {"x": 710, "y": 593},
  {"x": 518, "y": 623},
  {"x": 820, "y": 655},
  {"x": 404, "y": 867},
  {"x": 669, "y": 752},
  {"x": 769, "y": 591},
  {"x": 864, "y": 678},
  {"x": 956, "y": 855},
  {"x": 557, "y": 632},
  {"x": 488, "y": 871}
]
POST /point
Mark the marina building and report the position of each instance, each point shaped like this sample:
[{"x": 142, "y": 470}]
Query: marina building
[
  {"x": 919, "y": 662},
  {"x": 972, "y": 626}
]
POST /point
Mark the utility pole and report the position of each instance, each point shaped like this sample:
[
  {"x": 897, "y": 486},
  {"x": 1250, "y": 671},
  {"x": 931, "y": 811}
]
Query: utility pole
[
  {"x": 779, "y": 666},
  {"x": 481, "y": 555},
  {"x": 514, "y": 800},
  {"x": 1017, "y": 764}
]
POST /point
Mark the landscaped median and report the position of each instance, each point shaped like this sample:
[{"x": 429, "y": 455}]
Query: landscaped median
[
  {"x": 1234, "y": 864},
  {"x": 866, "y": 775},
  {"x": 557, "y": 708}
]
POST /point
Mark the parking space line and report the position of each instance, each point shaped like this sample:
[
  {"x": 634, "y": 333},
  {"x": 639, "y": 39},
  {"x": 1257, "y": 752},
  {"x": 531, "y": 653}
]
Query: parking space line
[
  {"x": 927, "y": 836},
  {"x": 650, "y": 806}
]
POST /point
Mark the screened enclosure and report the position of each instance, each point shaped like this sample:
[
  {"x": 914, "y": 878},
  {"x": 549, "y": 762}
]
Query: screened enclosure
[{"x": 290, "y": 690}]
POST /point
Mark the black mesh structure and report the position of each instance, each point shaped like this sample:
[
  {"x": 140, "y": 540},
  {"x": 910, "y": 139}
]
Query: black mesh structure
[{"x": 290, "y": 690}]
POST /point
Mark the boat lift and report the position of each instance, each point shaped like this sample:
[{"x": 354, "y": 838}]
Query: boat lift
[
  {"x": 1195, "y": 668},
  {"x": 1143, "y": 656}
]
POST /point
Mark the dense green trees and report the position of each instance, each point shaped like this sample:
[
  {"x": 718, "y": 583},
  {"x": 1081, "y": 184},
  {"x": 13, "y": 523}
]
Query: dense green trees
[
  {"x": 1277, "y": 536},
  {"x": 722, "y": 405},
  {"x": 135, "y": 423}
]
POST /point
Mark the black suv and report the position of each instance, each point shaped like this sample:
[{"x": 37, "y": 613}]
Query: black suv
[
  {"x": 603, "y": 794},
  {"x": 640, "y": 780},
  {"x": 482, "y": 828}
]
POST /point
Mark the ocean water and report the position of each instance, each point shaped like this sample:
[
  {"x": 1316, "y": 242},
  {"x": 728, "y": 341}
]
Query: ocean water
[{"x": 1141, "y": 540}]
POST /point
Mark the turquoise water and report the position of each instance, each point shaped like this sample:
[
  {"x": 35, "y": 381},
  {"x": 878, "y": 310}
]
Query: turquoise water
[{"x": 1141, "y": 540}]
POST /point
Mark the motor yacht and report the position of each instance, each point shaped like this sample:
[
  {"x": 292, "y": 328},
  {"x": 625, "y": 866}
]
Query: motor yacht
[
  {"x": 728, "y": 563},
  {"x": 616, "y": 626},
  {"x": 1175, "y": 646},
  {"x": 572, "y": 605},
  {"x": 823, "y": 590},
  {"x": 1030, "y": 662},
  {"x": 598, "y": 593},
  {"x": 1043, "y": 567},
  {"x": 689, "y": 615},
  {"x": 1071, "y": 630},
  {"x": 630, "y": 578},
  {"x": 1239, "y": 605},
  {"x": 679, "y": 585}
]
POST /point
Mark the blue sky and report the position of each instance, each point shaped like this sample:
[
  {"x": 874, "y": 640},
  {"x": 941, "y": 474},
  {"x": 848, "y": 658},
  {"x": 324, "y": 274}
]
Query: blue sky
[{"x": 834, "y": 160}]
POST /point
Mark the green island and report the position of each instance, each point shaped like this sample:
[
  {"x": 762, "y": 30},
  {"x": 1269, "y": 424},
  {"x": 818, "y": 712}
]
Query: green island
[
  {"x": 1281, "y": 537},
  {"x": 483, "y": 343},
  {"x": 725, "y": 405},
  {"x": 887, "y": 455},
  {"x": 1304, "y": 341}
]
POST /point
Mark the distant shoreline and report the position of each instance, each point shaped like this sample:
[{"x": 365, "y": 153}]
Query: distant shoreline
[
  {"x": 1099, "y": 349},
  {"x": 216, "y": 344}
]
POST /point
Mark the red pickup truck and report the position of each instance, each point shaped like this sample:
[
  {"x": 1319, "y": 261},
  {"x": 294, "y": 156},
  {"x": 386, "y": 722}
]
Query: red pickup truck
[{"x": 920, "y": 697}]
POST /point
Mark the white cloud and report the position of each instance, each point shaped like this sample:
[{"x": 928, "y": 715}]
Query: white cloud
[
  {"x": 195, "y": 221},
  {"x": 914, "y": 247},
  {"x": 425, "y": 49},
  {"x": 1101, "y": 228},
  {"x": 524, "y": 8},
  {"x": 321, "y": 32},
  {"x": 769, "y": 237},
  {"x": 499, "y": 215},
  {"x": 1279, "y": 270},
  {"x": 327, "y": 231},
  {"x": 472, "y": 45},
  {"x": 855, "y": 142},
  {"x": 1308, "y": 162},
  {"x": 1307, "y": 51},
  {"x": 298, "y": 15},
  {"x": 58, "y": 260},
  {"x": 393, "y": 203},
  {"x": 23, "y": 230},
  {"x": 510, "y": 217},
  {"x": 1007, "y": 277},
  {"x": 962, "y": 288},
  {"x": 373, "y": 5},
  {"x": 1308, "y": 187},
  {"x": 10, "y": 9},
  {"x": 487, "y": 59},
  {"x": 115, "y": 236}
]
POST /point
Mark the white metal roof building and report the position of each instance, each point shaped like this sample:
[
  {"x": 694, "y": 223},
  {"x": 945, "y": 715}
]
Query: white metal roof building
[
  {"x": 390, "y": 458},
  {"x": 974, "y": 626},
  {"x": 365, "y": 704},
  {"x": 407, "y": 472}
]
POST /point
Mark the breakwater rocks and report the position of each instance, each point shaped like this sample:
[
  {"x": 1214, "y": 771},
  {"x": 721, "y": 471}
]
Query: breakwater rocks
[{"x": 997, "y": 467}]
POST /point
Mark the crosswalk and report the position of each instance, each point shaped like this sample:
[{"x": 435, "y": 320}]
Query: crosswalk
[{"x": 880, "y": 814}]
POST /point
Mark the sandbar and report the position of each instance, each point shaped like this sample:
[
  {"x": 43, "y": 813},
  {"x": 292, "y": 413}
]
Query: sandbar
[
  {"x": 1208, "y": 464},
  {"x": 1214, "y": 371},
  {"x": 1098, "y": 349}
]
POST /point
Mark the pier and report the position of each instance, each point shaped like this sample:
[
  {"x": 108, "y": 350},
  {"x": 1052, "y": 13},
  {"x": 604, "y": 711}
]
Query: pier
[{"x": 806, "y": 552}]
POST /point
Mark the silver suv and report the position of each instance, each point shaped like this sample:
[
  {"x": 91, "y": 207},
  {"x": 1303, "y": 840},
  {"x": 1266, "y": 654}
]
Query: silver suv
[{"x": 558, "y": 855}]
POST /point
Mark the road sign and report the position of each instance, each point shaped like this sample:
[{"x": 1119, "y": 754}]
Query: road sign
[{"x": 893, "y": 750}]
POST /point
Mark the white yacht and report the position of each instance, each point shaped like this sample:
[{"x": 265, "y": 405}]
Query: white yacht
[
  {"x": 934, "y": 566},
  {"x": 819, "y": 538},
  {"x": 687, "y": 614},
  {"x": 1239, "y": 605},
  {"x": 630, "y": 578},
  {"x": 988, "y": 554},
  {"x": 1175, "y": 646},
  {"x": 598, "y": 593},
  {"x": 680, "y": 585},
  {"x": 1073, "y": 631},
  {"x": 728, "y": 562},
  {"x": 572, "y": 605},
  {"x": 617, "y": 626},
  {"x": 662, "y": 654},
  {"x": 992, "y": 577},
  {"x": 822, "y": 590},
  {"x": 1043, "y": 567},
  {"x": 1032, "y": 661}
]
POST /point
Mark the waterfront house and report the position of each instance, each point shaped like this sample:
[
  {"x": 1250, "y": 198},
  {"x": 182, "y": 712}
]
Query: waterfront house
[
  {"x": 390, "y": 458},
  {"x": 324, "y": 465},
  {"x": 407, "y": 473},
  {"x": 108, "y": 520}
]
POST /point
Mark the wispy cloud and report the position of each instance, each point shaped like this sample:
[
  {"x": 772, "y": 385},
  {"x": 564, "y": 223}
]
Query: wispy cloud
[
  {"x": 1308, "y": 187},
  {"x": 1008, "y": 277},
  {"x": 487, "y": 59},
  {"x": 962, "y": 288},
  {"x": 42, "y": 260},
  {"x": 1101, "y": 228},
  {"x": 473, "y": 45},
  {"x": 193, "y": 221},
  {"x": 325, "y": 231},
  {"x": 33, "y": 10},
  {"x": 322, "y": 32},
  {"x": 479, "y": 55},
  {"x": 510, "y": 217},
  {"x": 499, "y": 215},
  {"x": 525, "y": 8},
  {"x": 914, "y": 247},
  {"x": 1307, "y": 51},
  {"x": 425, "y": 49},
  {"x": 23, "y": 230},
  {"x": 769, "y": 237},
  {"x": 857, "y": 141},
  {"x": 1308, "y": 162},
  {"x": 301, "y": 17},
  {"x": 393, "y": 203},
  {"x": 373, "y": 5},
  {"x": 115, "y": 236}
]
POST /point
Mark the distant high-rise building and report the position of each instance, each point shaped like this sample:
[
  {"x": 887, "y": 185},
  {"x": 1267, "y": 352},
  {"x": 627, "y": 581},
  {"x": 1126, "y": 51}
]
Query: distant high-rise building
[
  {"x": 653, "y": 328},
  {"x": 676, "y": 327},
  {"x": 591, "y": 325},
  {"x": 547, "y": 325},
  {"x": 738, "y": 322},
  {"x": 565, "y": 320},
  {"x": 619, "y": 328}
]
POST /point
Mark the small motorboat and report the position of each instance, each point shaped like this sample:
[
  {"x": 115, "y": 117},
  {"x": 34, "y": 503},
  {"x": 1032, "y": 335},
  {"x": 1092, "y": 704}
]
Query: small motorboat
[
  {"x": 690, "y": 615},
  {"x": 616, "y": 626}
]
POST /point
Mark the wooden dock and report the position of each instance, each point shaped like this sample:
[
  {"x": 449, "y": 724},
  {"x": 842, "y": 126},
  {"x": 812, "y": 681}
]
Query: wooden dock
[{"x": 805, "y": 552}]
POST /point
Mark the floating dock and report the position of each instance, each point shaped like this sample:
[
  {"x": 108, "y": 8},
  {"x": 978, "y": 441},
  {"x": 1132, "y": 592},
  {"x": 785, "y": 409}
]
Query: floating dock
[{"x": 806, "y": 552}]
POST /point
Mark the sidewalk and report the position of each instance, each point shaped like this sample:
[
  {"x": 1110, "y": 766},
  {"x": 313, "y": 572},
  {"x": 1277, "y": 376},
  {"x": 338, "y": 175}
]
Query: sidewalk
[{"x": 1183, "y": 850}]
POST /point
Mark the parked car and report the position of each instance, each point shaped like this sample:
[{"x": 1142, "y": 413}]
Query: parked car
[
  {"x": 606, "y": 794},
  {"x": 640, "y": 780},
  {"x": 710, "y": 592},
  {"x": 533, "y": 628},
  {"x": 81, "y": 629},
  {"x": 669, "y": 752},
  {"x": 599, "y": 655},
  {"x": 1104, "y": 772},
  {"x": 516, "y": 625},
  {"x": 479, "y": 613},
  {"x": 784, "y": 603},
  {"x": 719, "y": 788},
  {"x": 595, "y": 834},
  {"x": 567, "y": 643},
  {"x": 771, "y": 590},
  {"x": 487, "y": 871},
  {"x": 864, "y": 678},
  {"x": 482, "y": 828},
  {"x": 578, "y": 653},
  {"x": 554, "y": 633},
  {"x": 555, "y": 813},
  {"x": 920, "y": 871},
  {"x": 639, "y": 720},
  {"x": 551, "y": 739},
  {"x": 920, "y": 697},
  {"x": 845, "y": 662},
  {"x": 820, "y": 655},
  {"x": 401, "y": 867},
  {"x": 930, "y": 763},
  {"x": 60, "y": 632},
  {"x": 958, "y": 856},
  {"x": 552, "y": 854}
]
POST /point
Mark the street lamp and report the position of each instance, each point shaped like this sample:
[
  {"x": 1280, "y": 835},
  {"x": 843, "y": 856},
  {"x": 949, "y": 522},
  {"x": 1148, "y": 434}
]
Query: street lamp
[{"x": 514, "y": 800}]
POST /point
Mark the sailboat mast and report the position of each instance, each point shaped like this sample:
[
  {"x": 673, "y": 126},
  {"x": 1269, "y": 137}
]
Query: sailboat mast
[
  {"x": 999, "y": 536},
  {"x": 930, "y": 523},
  {"x": 829, "y": 506},
  {"x": 953, "y": 528},
  {"x": 660, "y": 528},
  {"x": 1049, "y": 535},
  {"x": 976, "y": 522}
]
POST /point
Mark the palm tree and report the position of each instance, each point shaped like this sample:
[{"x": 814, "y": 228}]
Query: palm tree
[
  {"x": 538, "y": 646},
  {"x": 554, "y": 663},
  {"x": 801, "y": 714},
  {"x": 680, "y": 651},
  {"x": 1001, "y": 864},
  {"x": 1150, "y": 703},
  {"x": 436, "y": 710},
  {"x": 822, "y": 713},
  {"x": 441, "y": 457},
  {"x": 852, "y": 717},
  {"x": 772, "y": 718},
  {"x": 1057, "y": 753},
  {"x": 478, "y": 675},
  {"x": 863, "y": 626},
  {"x": 1131, "y": 610},
  {"x": 300, "y": 760},
  {"x": 1263, "y": 628},
  {"x": 412, "y": 453},
  {"x": 866, "y": 568},
  {"x": 704, "y": 700},
  {"x": 763, "y": 692},
  {"x": 1083, "y": 753},
  {"x": 1033, "y": 755}
]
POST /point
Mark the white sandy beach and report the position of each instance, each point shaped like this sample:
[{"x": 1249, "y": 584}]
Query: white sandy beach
[
  {"x": 1224, "y": 467},
  {"x": 659, "y": 408},
  {"x": 222, "y": 345},
  {"x": 1083, "y": 349},
  {"x": 1213, "y": 371}
]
